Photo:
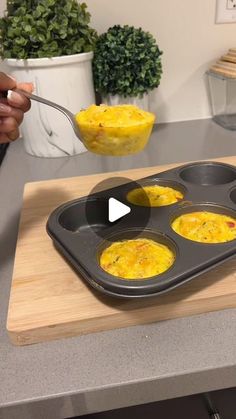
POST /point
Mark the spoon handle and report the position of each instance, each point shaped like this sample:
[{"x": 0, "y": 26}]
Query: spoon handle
[{"x": 66, "y": 112}]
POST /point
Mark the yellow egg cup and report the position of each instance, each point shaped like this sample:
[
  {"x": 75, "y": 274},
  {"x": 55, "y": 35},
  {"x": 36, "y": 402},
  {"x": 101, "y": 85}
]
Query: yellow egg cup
[
  {"x": 119, "y": 137},
  {"x": 205, "y": 227},
  {"x": 136, "y": 259},
  {"x": 154, "y": 196}
]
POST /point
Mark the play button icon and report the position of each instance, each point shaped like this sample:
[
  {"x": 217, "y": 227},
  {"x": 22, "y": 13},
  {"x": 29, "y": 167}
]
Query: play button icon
[
  {"x": 108, "y": 211},
  {"x": 116, "y": 210}
]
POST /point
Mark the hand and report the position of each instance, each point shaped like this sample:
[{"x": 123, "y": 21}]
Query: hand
[{"x": 12, "y": 107}]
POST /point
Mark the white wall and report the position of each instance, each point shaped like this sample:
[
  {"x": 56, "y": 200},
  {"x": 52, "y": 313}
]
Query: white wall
[{"x": 191, "y": 41}]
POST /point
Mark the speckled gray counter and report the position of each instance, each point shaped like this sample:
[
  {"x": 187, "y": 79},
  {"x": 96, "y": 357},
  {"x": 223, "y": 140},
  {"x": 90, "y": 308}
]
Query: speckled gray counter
[{"x": 122, "y": 367}]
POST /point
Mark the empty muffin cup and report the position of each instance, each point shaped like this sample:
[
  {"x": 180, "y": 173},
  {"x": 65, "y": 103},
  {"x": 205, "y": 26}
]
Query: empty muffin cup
[
  {"x": 207, "y": 174},
  {"x": 82, "y": 214},
  {"x": 233, "y": 195}
]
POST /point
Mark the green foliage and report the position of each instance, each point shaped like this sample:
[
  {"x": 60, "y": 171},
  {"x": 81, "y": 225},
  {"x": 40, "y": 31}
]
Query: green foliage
[
  {"x": 126, "y": 62},
  {"x": 45, "y": 28}
]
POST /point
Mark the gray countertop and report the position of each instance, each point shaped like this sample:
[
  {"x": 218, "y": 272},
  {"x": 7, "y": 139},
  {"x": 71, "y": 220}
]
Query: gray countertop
[{"x": 123, "y": 367}]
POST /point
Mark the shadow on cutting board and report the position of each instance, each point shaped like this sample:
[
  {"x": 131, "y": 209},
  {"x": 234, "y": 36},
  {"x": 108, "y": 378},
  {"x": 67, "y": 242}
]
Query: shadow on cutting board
[{"x": 8, "y": 233}]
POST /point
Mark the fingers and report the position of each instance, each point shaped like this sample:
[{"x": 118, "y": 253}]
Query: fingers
[
  {"x": 4, "y": 138},
  {"x": 6, "y": 82},
  {"x": 7, "y": 138},
  {"x": 9, "y": 130},
  {"x": 8, "y": 125},
  {"x": 28, "y": 87},
  {"x": 18, "y": 101},
  {"x": 6, "y": 110},
  {"x": 13, "y": 135},
  {"x": 12, "y": 108}
]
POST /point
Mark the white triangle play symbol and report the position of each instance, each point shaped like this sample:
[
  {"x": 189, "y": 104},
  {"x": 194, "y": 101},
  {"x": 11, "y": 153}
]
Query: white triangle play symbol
[{"x": 116, "y": 210}]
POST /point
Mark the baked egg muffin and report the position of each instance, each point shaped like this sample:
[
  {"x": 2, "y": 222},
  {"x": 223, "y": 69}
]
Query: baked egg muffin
[
  {"x": 115, "y": 130},
  {"x": 154, "y": 196},
  {"x": 205, "y": 227},
  {"x": 136, "y": 259}
]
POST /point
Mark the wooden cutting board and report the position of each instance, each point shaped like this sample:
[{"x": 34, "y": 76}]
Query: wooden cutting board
[{"x": 49, "y": 300}]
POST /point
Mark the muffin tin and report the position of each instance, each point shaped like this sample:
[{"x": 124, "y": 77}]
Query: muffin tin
[{"x": 207, "y": 186}]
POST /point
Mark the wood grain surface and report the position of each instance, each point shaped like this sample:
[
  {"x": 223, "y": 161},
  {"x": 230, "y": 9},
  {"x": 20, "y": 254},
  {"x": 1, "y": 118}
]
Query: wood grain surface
[{"x": 49, "y": 300}]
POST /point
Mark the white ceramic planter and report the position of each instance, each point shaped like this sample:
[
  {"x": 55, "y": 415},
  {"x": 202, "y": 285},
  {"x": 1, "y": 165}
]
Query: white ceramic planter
[
  {"x": 142, "y": 103},
  {"x": 66, "y": 80}
]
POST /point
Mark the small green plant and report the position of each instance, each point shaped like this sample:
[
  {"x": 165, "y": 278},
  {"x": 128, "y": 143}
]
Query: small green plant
[
  {"x": 127, "y": 62},
  {"x": 45, "y": 28}
]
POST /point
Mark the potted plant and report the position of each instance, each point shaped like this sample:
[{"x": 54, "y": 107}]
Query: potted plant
[
  {"x": 126, "y": 66},
  {"x": 50, "y": 43}
]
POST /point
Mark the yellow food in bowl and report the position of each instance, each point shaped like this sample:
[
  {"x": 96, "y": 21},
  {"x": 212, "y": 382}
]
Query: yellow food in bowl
[
  {"x": 205, "y": 227},
  {"x": 154, "y": 196},
  {"x": 115, "y": 130},
  {"x": 136, "y": 259}
]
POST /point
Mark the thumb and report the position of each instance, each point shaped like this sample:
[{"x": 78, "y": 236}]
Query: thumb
[{"x": 28, "y": 87}]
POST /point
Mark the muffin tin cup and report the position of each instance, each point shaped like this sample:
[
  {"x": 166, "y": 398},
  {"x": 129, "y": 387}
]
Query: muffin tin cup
[
  {"x": 81, "y": 240},
  {"x": 208, "y": 207},
  {"x": 73, "y": 217},
  {"x": 132, "y": 286},
  {"x": 155, "y": 182},
  {"x": 208, "y": 174},
  {"x": 233, "y": 195}
]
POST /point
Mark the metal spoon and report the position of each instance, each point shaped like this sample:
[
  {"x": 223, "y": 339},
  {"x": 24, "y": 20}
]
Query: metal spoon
[{"x": 70, "y": 116}]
